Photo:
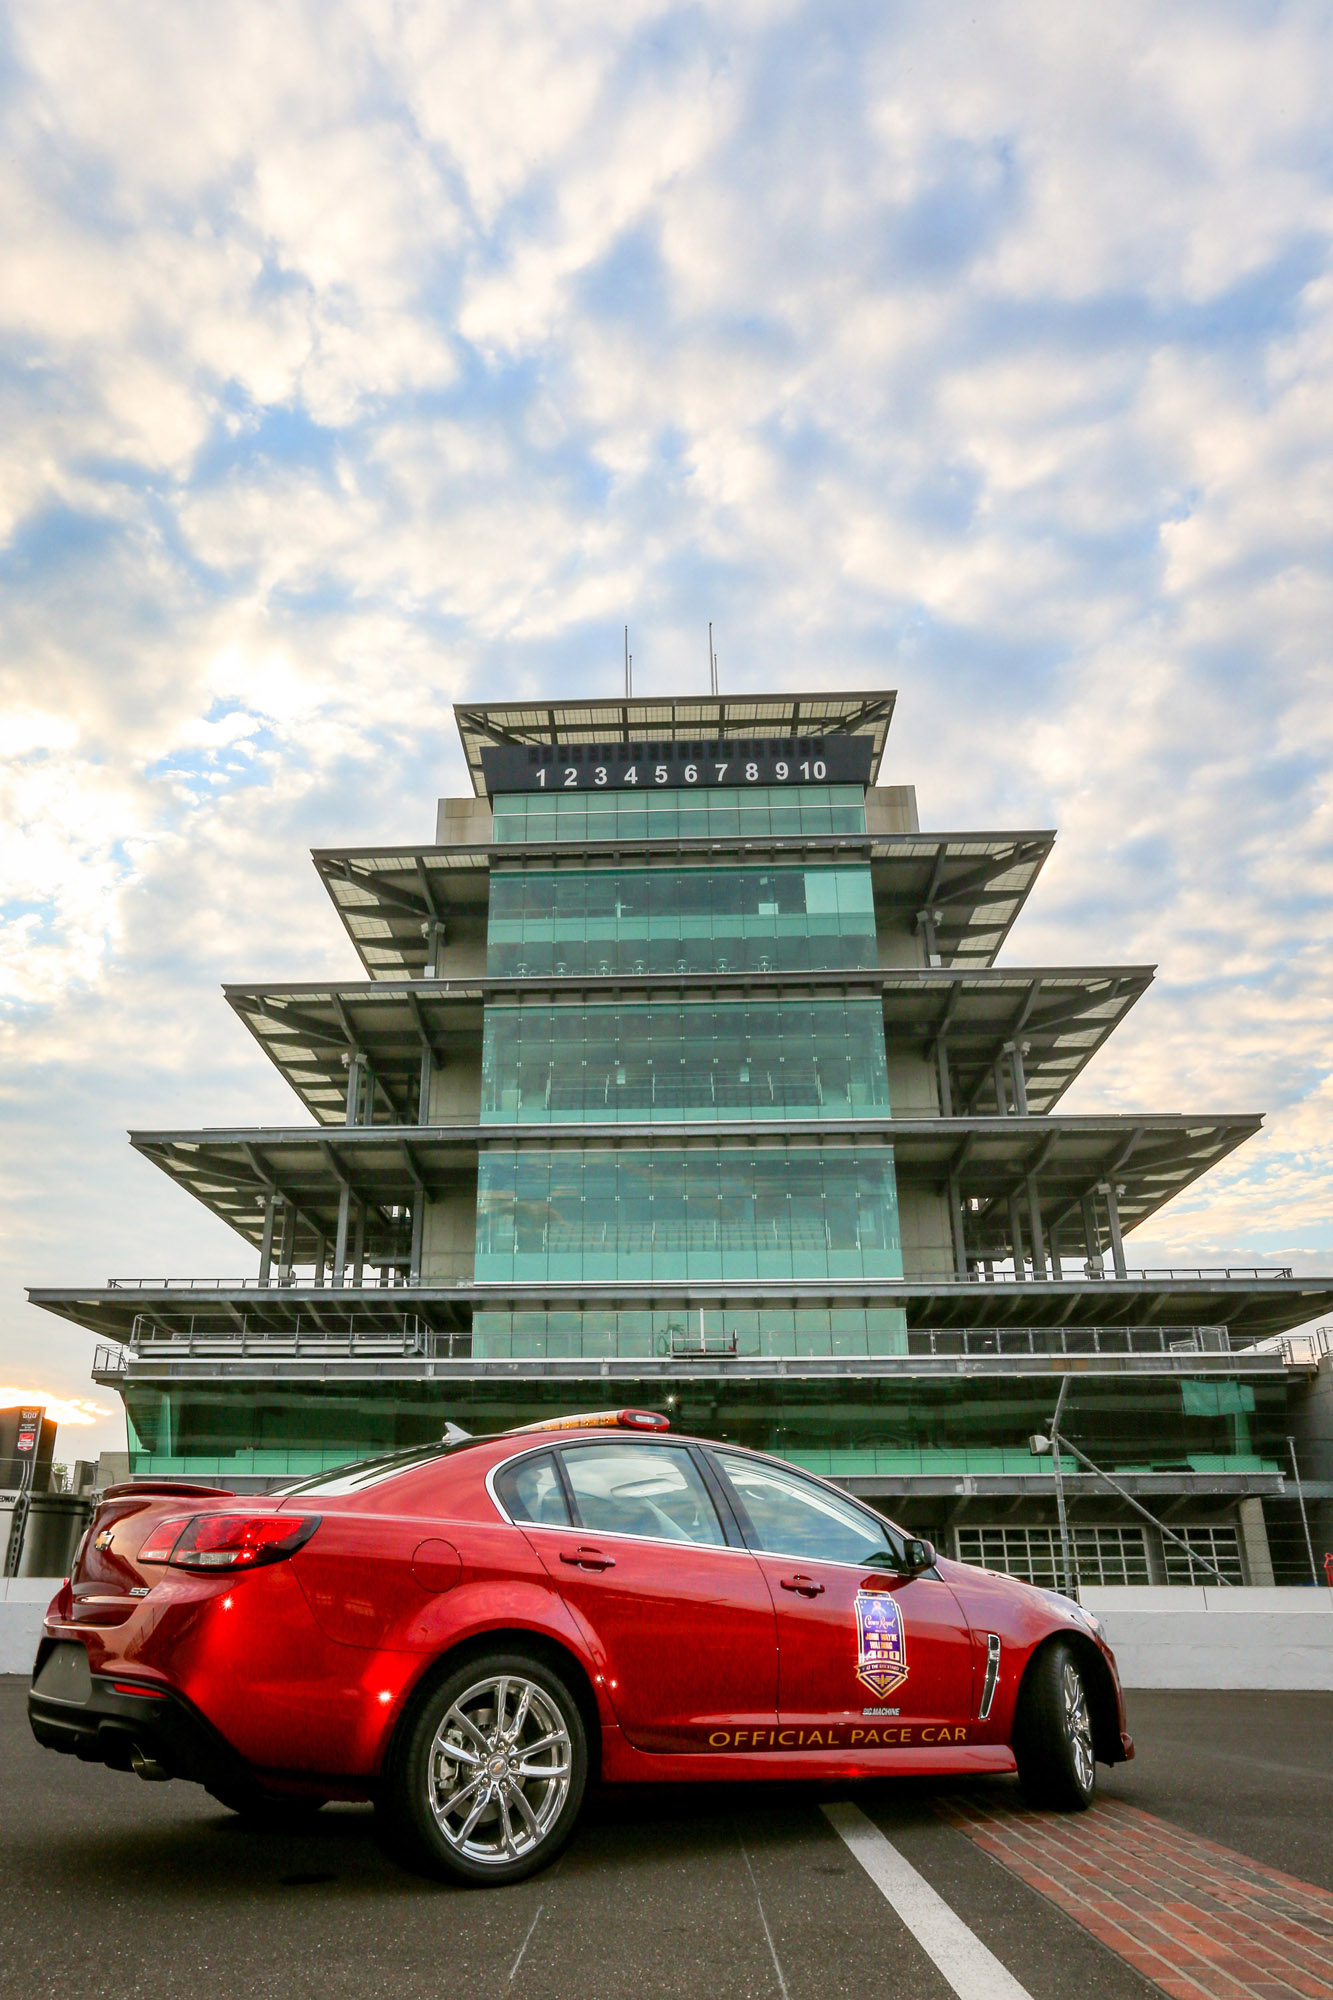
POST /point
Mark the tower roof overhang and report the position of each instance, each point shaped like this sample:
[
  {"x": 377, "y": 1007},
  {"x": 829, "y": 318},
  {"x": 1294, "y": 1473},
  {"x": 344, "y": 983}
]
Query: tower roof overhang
[
  {"x": 970, "y": 885},
  {"x": 1150, "y": 1159},
  {"x": 1060, "y": 1016},
  {"x": 672, "y": 719}
]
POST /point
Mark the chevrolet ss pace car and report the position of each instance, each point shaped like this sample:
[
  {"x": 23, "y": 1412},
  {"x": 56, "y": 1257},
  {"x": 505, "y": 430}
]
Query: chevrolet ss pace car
[{"x": 471, "y": 1633}]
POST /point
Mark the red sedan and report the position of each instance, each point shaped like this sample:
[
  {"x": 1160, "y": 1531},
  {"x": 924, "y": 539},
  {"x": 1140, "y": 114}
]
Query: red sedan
[{"x": 470, "y": 1633}]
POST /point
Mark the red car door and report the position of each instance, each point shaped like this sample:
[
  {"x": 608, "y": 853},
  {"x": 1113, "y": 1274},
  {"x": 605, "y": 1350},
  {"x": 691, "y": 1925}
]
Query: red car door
[
  {"x": 879, "y": 1659},
  {"x": 676, "y": 1610}
]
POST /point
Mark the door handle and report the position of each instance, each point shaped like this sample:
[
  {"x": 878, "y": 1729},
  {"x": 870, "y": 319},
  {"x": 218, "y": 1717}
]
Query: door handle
[
  {"x": 804, "y": 1586},
  {"x": 587, "y": 1559}
]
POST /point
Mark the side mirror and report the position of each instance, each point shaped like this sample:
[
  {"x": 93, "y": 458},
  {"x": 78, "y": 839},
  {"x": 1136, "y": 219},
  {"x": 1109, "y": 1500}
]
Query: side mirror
[{"x": 920, "y": 1555}]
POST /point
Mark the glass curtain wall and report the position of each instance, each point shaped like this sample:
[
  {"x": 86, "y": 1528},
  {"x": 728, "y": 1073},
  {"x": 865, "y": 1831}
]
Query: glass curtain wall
[
  {"x": 616, "y": 1333},
  {"x": 762, "y": 812},
  {"x": 672, "y": 1212},
  {"x": 853, "y": 1424},
  {"x": 599, "y": 921},
  {"x": 671, "y": 1060}
]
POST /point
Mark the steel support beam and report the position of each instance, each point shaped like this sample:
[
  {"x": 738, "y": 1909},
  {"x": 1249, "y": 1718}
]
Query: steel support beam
[
  {"x": 359, "y": 1246},
  {"x": 340, "y": 1241},
  {"x": 266, "y": 1241},
  {"x": 287, "y": 1254},
  {"x": 1016, "y": 1234},
  {"x": 1113, "y": 1224},
  {"x": 1038, "y": 1236},
  {"x": 956, "y": 1225}
]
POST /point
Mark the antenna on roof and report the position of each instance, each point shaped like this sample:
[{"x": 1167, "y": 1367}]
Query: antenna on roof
[
  {"x": 712, "y": 662},
  {"x": 629, "y": 667}
]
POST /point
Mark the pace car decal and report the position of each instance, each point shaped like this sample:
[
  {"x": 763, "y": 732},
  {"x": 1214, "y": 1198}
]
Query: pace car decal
[
  {"x": 837, "y": 1736},
  {"x": 881, "y": 1661}
]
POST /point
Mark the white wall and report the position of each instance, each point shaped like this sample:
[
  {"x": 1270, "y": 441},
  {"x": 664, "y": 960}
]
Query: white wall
[
  {"x": 23, "y": 1602},
  {"x": 1218, "y": 1638}
]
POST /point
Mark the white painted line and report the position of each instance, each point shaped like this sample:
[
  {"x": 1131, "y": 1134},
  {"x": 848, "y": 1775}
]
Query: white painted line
[
  {"x": 759, "y": 1901},
  {"x": 973, "y": 1972},
  {"x": 513, "y": 1970}
]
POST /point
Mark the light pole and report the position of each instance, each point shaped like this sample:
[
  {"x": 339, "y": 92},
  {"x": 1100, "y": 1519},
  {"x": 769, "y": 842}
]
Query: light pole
[
  {"x": 1040, "y": 1446},
  {"x": 1300, "y": 1502}
]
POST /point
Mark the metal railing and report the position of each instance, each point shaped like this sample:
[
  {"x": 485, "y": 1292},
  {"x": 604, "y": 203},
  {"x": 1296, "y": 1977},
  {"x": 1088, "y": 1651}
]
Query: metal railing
[
  {"x": 1069, "y": 1340},
  {"x": 370, "y": 1281},
  {"x": 414, "y": 1338},
  {"x": 1149, "y": 1274},
  {"x": 306, "y": 1337},
  {"x": 1306, "y": 1350}
]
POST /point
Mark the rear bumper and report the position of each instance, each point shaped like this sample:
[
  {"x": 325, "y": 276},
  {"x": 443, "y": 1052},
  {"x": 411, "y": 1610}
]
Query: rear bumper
[{"x": 157, "y": 1735}]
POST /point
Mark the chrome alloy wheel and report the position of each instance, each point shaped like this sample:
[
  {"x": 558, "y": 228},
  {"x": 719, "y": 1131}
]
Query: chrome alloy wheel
[
  {"x": 499, "y": 1770},
  {"x": 1079, "y": 1725}
]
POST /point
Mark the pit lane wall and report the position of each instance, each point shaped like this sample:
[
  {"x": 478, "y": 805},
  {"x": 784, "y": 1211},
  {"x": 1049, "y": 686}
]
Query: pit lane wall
[
  {"x": 1163, "y": 1637},
  {"x": 1172, "y": 1637},
  {"x": 23, "y": 1602}
]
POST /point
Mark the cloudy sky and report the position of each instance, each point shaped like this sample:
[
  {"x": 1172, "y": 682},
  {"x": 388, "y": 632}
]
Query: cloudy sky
[{"x": 357, "y": 357}]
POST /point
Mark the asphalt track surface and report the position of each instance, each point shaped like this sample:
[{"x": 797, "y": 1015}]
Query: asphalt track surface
[{"x": 116, "y": 1887}]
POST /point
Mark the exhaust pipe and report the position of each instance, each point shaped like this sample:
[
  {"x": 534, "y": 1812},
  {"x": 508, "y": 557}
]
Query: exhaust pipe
[{"x": 148, "y": 1768}]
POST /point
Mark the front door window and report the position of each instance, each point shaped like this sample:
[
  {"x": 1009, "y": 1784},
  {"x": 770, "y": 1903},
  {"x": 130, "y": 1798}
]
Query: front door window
[{"x": 868, "y": 1658}]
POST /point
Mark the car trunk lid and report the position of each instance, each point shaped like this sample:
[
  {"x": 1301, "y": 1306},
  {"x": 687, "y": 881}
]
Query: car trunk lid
[{"x": 107, "y": 1582}]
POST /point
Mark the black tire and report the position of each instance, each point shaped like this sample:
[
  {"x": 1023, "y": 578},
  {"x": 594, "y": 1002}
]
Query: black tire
[
  {"x": 1053, "y": 1738},
  {"x": 486, "y": 1781},
  {"x": 266, "y": 1809}
]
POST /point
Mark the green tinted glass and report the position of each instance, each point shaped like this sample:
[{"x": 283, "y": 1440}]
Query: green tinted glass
[
  {"x": 761, "y": 812},
  {"x": 704, "y": 1212},
  {"x": 612, "y": 1333},
  {"x": 600, "y": 921},
  {"x": 663, "y": 1061},
  {"x": 895, "y": 1423}
]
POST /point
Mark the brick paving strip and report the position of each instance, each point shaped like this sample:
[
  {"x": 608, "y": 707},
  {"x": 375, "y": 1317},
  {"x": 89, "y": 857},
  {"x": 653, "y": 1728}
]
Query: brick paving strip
[{"x": 1199, "y": 1920}]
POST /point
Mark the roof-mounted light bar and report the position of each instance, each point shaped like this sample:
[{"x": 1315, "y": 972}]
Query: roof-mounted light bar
[{"x": 604, "y": 1420}]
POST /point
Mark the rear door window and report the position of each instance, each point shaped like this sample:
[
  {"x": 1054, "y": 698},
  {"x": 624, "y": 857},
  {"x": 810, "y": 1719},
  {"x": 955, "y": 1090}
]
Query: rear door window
[
  {"x": 653, "y": 1491},
  {"x": 529, "y": 1490}
]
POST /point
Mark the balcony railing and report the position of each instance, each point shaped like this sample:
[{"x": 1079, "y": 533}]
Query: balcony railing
[
  {"x": 1306, "y": 1350},
  {"x": 1069, "y": 1340},
  {"x": 1138, "y": 1273},
  {"x": 192, "y": 1340},
  {"x": 372, "y": 1281},
  {"x": 360, "y": 1337}
]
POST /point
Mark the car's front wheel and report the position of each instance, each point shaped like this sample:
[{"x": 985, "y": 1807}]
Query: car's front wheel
[
  {"x": 1053, "y": 1741},
  {"x": 489, "y": 1780}
]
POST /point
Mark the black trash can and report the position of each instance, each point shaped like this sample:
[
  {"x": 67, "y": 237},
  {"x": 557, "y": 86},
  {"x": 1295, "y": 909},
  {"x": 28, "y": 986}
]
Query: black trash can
[{"x": 55, "y": 1523}]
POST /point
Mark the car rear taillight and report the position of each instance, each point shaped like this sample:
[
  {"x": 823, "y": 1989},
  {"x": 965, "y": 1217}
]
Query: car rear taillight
[
  {"x": 162, "y": 1539},
  {"x": 228, "y": 1541}
]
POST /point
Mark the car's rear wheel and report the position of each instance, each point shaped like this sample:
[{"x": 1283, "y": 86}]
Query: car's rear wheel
[
  {"x": 489, "y": 1779},
  {"x": 1053, "y": 1741}
]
